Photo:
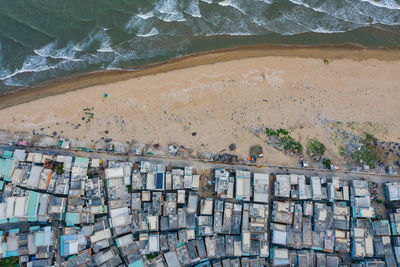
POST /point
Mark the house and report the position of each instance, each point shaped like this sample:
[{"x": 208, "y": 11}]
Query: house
[
  {"x": 243, "y": 185},
  {"x": 282, "y": 186},
  {"x": 261, "y": 187}
]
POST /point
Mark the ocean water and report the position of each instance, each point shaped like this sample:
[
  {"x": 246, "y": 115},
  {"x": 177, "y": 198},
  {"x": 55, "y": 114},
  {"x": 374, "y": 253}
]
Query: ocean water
[{"x": 41, "y": 40}]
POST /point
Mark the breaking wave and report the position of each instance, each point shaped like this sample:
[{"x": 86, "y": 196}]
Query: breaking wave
[
  {"x": 168, "y": 28},
  {"x": 153, "y": 32}
]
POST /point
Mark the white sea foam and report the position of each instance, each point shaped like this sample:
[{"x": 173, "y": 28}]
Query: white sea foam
[
  {"x": 50, "y": 50},
  {"x": 138, "y": 19},
  {"x": 147, "y": 15},
  {"x": 301, "y": 3},
  {"x": 31, "y": 64},
  {"x": 96, "y": 36},
  {"x": 207, "y": 1},
  {"x": 153, "y": 32},
  {"x": 235, "y": 33},
  {"x": 120, "y": 56},
  {"x": 323, "y": 30},
  {"x": 34, "y": 63},
  {"x": 193, "y": 9},
  {"x": 390, "y": 4},
  {"x": 168, "y": 11},
  {"x": 105, "y": 50},
  {"x": 4, "y": 72},
  {"x": 46, "y": 50},
  {"x": 232, "y": 3}
]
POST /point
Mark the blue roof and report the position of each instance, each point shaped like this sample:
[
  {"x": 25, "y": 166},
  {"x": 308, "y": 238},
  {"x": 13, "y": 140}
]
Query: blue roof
[
  {"x": 7, "y": 169},
  {"x": 159, "y": 181},
  {"x": 39, "y": 240},
  {"x": 2, "y": 161},
  {"x": 82, "y": 160},
  {"x": 7, "y": 154},
  {"x": 138, "y": 263},
  {"x": 71, "y": 218}
]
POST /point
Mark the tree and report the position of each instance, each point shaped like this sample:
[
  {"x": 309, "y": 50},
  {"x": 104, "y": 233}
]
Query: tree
[
  {"x": 60, "y": 169},
  {"x": 315, "y": 148}
]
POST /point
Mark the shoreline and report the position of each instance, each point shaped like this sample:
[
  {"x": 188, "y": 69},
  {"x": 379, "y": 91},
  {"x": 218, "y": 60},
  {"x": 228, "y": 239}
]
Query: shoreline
[{"x": 102, "y": 77}]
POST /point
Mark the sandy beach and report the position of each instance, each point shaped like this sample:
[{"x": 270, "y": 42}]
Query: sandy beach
[{"x": 209, "y": 101}]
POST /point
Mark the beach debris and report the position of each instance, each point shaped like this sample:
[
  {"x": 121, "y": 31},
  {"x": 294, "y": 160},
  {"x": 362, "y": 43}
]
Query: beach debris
[
  {"x": 326, "y": 61},
  {"x": 194, "y": 133},
  {"x": 225, "y": 157},
  {"x": 315, "y": 148},
  {"x": 282, "y": 140},
  {"x": 172, "y": 149},
  {"x": 232, "y": 147},
  {"x": 256, "y": 151},
  {"x": 110, "y": 147}
]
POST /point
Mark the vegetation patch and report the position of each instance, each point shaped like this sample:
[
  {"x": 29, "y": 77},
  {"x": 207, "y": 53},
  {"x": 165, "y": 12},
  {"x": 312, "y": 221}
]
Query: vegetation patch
[
  {"x": 281, "y": 140},
  {"x": 315, "y": 148},
  {"x": 327, "y": 163},
  {"x": 60, "y": 169},
  {"x": 363, "y": 153},
  {"x": 10, "y": 261}
]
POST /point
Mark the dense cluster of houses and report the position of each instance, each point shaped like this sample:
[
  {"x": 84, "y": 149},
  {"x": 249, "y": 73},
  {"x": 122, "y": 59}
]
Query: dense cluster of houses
[
  {"x": 315, "y": 221},
  {"x": 85, "y": 212}
]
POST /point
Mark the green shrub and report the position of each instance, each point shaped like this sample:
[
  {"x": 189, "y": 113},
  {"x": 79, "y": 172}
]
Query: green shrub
[
  {"x": 366, "y": 153},
  {"x": 327, "y": 163},
  {"x": 285, "y": 141},
  {"x": 315, "y": 148},
  {"x": 9, "y": 262},
  {"x": 342, "y": 152},
  {"x": 60, "y": 169}
]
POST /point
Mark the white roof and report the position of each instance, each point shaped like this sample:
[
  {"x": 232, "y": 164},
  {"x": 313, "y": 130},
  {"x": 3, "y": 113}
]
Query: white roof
[
  {"x": 95, "y": 163},
  {"x": 239, "y": 187},
  {"x": 114, "y": 172},
  {"x": 171, "y": 259},
  {"x": 281, "y": 253},
  {"x": 150, "y": 182},
  {"x": 207, "y": 207},
  {"x": 10, "y": 206},
  {"x": 3, "y": 210},
  {"x": 100, "y": 235},
  {"x": 119, "y": 212},
  {"x": 125, "y": 240},
  {"x": 279, "y": 237},
  {"x": 316, "y": 187},
  {"x": 153, "y": 243},
  {"x": 19, "y": 155},
  {"x": 73, "y": 246},
  {"x": 261, "y": 187},
  {"x": 195, "y": 182},
  {"x": 34, "y": 176},
  {"x": 12, "y": 243},
  {"x": 187, "y": 181},
  {"x": 17, "y": 175},
  {"x": 20, "y": 204},
  {"x": 121, "y": 220}
]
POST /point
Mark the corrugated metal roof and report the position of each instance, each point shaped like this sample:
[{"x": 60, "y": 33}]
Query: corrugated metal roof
[
  {"x": 2, "y": 161},
  {"x": 7, "y": 154},
  {"x": 82, "y": 160},
  {"x": 7, "y": 169},
  {"x": 71, "y": 218},
  {"x": 32, "y": 203},
  {"x": 39, "y": 239}
]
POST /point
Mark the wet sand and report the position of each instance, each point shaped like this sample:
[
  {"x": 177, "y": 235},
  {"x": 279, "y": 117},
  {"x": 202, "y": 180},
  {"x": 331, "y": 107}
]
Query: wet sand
[{"x": 208, "y": 101}]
